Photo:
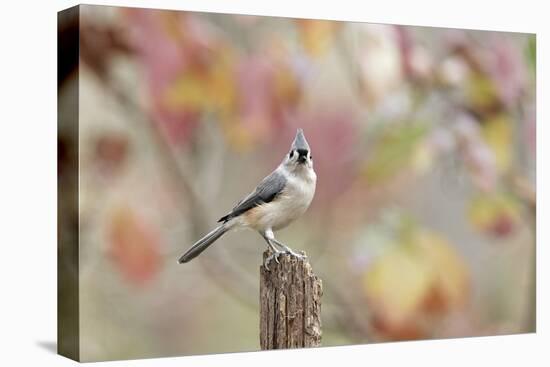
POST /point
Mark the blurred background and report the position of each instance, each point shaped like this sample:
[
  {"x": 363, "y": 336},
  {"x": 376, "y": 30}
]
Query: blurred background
[{"x": 423, "y": 141}]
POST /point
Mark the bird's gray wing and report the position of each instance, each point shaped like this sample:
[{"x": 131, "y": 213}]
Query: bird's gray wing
[{"x": 266, "y": 191}]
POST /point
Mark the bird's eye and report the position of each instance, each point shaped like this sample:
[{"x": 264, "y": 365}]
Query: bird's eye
[{"x": 291, "y": 154}]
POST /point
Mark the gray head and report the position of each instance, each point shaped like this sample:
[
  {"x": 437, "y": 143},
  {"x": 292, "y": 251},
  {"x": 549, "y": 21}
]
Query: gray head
[{"x": 300, "y": 153}]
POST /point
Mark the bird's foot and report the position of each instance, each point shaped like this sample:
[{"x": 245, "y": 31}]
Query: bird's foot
[
  {"x": 301, "y": 256},
  {"x": 274, "y": 256},
  {"x": 289, "y": 251}
]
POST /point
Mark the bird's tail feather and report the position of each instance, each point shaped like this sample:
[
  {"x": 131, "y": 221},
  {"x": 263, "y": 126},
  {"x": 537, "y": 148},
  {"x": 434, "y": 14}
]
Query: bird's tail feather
[{"x": 203, "y": 243}]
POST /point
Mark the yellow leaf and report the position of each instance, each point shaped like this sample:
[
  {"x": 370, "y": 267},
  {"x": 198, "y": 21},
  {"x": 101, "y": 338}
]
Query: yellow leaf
[
  {"x": 316, "y": 35},
  {"x": 420, "y": 278},
  {"x": 221, "y": 83},
  {"x": 237, "y": 134},
  {"x": 188, "y": 91},
  {"x": 496, "y": 213},
  {"x": 211, "y": 89},
  {"x": 395, "y": 150},
  {"x": 451, "y": 280},
  {"x": 396, "y": 285},
  {"x": 286, "y": 86},
  {"x": 497, "y": 132},
  {"x": 481, "y": 93}
]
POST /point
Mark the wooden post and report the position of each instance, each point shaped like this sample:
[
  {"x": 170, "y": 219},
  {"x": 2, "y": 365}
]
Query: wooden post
[{"x": 290, "y": 304}]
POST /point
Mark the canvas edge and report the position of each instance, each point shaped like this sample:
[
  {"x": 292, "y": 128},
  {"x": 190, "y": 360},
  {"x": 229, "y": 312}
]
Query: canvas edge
[{"x": 68, "y": 300}]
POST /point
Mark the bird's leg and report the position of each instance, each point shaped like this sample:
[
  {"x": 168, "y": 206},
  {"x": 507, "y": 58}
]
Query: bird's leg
[
  {"x": 288, "y": 250},
  {"x": 275, "y": 253}
]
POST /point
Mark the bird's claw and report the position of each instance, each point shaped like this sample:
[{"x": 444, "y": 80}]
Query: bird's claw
[
  {"x": 273, "y": 256},
  {"x": 302, "y": 255}
]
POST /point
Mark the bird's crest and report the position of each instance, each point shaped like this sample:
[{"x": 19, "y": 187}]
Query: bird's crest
[{"x": 300, "y": 142}]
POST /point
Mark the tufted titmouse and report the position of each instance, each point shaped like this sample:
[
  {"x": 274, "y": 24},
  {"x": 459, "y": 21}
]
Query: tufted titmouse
[{"x": 278, "y": 200}]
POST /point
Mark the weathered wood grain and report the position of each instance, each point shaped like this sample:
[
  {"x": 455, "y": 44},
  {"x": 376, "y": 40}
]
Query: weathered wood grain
[{"x": 290, "y": 304}]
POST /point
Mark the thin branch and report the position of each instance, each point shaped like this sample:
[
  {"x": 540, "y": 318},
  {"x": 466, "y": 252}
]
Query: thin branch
[{"x": 230, "y": 278}]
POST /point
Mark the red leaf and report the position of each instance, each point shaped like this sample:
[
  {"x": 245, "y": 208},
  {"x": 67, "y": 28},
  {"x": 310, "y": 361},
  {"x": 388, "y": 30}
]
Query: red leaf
[{"x": 133, "y": 246}]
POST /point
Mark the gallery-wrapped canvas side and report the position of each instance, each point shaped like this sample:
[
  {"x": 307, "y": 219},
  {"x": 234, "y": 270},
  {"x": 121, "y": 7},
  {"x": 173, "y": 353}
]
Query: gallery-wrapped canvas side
[{"x": 67, "y": 184}]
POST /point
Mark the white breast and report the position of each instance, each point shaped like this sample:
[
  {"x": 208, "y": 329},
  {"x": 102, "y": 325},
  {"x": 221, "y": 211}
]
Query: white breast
[{"x": 287, "y": 206}]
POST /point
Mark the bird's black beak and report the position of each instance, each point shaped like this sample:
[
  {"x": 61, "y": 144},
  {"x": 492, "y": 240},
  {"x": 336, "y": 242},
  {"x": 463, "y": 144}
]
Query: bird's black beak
[{"x": 302, "y": 155}]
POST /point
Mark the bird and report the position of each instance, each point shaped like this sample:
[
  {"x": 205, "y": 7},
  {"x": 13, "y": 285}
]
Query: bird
[{"x": 278, "y": 200}]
